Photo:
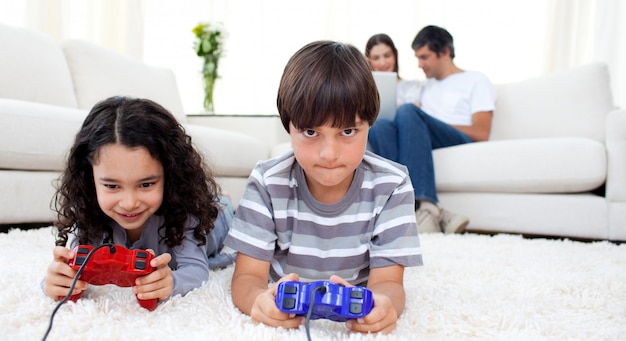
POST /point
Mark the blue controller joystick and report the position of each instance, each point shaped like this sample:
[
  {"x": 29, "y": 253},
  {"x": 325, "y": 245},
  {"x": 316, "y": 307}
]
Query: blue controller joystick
[{"x": 330, "y": 300}]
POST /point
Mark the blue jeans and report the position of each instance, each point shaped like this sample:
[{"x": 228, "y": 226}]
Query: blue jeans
[
  {"x": 215, "y": 240},
  {"x": 409, "y": 140}
]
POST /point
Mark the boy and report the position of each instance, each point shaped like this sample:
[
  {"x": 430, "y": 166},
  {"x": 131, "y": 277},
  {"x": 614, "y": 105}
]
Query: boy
[{"x": 328, "y": 209}]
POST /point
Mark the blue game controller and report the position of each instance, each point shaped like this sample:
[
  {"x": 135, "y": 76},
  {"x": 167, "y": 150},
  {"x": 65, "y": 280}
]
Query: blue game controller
[{"x": 330, "y": 300}]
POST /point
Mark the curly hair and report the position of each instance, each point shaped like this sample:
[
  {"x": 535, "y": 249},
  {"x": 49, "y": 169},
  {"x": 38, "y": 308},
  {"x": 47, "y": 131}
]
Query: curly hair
[{"x": 189, "y": 188}]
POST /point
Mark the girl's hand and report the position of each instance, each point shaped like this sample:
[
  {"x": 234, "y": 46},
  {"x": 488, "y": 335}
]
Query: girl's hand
[
  {"x": 382, "y": 318},
  {"x": 264, "y": 309},
  {"x": 60, "y": 275},
  {"x": 160, "y": 283}
]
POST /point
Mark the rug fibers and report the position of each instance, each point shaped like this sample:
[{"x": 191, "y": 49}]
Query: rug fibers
[{"x": 472, "y": 287}]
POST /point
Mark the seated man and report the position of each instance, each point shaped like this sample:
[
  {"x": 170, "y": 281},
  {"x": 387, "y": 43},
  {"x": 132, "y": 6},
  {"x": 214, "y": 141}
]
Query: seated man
[{"x": 456, "y": 107}]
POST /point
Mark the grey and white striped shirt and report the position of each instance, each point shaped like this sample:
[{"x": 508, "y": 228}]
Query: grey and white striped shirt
[{"x": 373, "y": 225}]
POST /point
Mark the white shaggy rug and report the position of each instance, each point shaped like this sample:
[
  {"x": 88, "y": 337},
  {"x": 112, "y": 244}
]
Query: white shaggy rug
[{"x": 472, "y": 287}]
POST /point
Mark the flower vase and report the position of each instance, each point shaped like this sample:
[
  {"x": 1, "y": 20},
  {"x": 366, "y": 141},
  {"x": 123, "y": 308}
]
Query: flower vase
[
  {"x": 209, "y": 73},
  {"x": 209, "y": 83}
]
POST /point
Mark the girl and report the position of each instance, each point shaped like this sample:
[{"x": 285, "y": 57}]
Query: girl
[{"x": 133, "y": 178}]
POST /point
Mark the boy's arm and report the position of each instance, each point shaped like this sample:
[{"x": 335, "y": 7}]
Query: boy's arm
[
  {"x": 249, "y": 281},
  {"x": 386, "y": 284},
  {"x": 252, "y": 296},
  {"x": 389, "y": 281}
]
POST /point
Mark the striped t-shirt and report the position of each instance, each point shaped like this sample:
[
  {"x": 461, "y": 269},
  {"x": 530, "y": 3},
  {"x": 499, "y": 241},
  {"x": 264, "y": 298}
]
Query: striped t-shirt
[{"x": 373, "y": 225}]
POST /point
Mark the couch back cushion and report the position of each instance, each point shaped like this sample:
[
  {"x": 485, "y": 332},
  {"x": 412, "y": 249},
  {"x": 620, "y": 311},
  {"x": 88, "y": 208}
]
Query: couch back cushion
[
  {"x": 36, "y": 136},
  {"x": 99, "y": 73},
  {"x": 33, "y": 68},
  {"x": 570, "y": 103}
]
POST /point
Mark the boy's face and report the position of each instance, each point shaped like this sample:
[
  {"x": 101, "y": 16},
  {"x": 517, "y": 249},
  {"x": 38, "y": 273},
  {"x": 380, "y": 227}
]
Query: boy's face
[{"x": 329, "y": 157}]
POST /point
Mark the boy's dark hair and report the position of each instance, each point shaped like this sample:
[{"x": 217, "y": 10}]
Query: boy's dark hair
[
  {"x": 382, "y": 38},
  {"x": 436, "y": 38},
  {"x": 189, "y": 188},
  {"x": 327, "y": 82}
]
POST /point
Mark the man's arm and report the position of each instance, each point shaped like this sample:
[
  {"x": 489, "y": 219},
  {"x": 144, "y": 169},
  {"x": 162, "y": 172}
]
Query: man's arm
[{"x": 480, "y": 128}]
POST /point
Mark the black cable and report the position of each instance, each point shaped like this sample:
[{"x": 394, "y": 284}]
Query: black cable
[
  {"x": 80, "y": 270},
  {"x": 310, "y": 310}
]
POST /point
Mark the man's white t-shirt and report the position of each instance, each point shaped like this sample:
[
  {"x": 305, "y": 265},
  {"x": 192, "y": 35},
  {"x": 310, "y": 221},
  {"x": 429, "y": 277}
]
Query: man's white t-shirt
[{"x": 457, "y": 97}]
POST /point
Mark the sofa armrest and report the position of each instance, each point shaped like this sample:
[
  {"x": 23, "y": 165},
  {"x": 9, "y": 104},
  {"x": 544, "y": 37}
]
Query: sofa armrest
[
  {"x": 36, "y": 136},
  {"x": 616, "y": 155}
]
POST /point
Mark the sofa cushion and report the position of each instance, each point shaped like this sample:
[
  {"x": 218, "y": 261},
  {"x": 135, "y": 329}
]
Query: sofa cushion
[
  {"x": 99, "y": 73},
  {"x": 35, "y": 136},
  {"x": 228, "y": 153},
  {"x": 573, "y": 102},
  {"x": 34, "y": 68},
  {"x": 547, "y": 165}
]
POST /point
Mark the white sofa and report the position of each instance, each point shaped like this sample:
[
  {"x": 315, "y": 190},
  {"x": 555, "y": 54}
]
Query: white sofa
[
  {"x": 555, "y": 164},
  {"x": 46, "y": 90}
]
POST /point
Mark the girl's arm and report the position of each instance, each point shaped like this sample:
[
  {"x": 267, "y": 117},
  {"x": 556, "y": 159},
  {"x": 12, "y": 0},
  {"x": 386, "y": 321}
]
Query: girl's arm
[
  {"x": 192, "y": 270},
  {"x": 192, "y": 265}
]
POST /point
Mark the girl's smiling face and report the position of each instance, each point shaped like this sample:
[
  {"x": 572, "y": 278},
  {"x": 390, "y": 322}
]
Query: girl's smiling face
[{"x": 129, "y": 185}]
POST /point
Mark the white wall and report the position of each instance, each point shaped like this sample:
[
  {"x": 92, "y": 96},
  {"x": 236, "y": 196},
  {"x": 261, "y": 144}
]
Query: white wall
[
  {"x": 262, "y": 35},
  {"x": 509, "y": 40}
]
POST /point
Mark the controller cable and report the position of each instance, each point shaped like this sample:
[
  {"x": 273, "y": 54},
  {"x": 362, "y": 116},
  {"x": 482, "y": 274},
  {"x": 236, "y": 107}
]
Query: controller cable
[
  {"x": 78, "y": 273},
  {"x": 322, "y": 289}
]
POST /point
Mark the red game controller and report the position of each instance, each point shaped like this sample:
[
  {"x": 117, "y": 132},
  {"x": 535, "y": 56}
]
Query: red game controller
[{"x": 113, "y": 264}]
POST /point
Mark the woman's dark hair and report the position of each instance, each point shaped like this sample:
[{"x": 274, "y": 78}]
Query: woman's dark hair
[
  {"x": 436, "y": 38},
  {"x": 327, "y": 82},
  {"x": 189, "y": 187},
  {"x": 382, "y": 38}
]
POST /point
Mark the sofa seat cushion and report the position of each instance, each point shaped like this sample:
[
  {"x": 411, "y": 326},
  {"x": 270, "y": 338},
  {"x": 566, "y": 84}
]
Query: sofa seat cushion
[
  {"x": 228, "y": 153},
  {"x": 34, "y": 68},
  {"x": 542, "y": 165},
  {"x": 35, "y": 136},
  {"x": 99, "y": 73}
]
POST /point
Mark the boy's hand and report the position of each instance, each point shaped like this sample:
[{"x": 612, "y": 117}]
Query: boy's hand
[
  {"x": 264, "y": 309},
  {"x": 160, "y": 283},
  {"x": 382, "y": 318},
  {"x": 60, "y": 275}
]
